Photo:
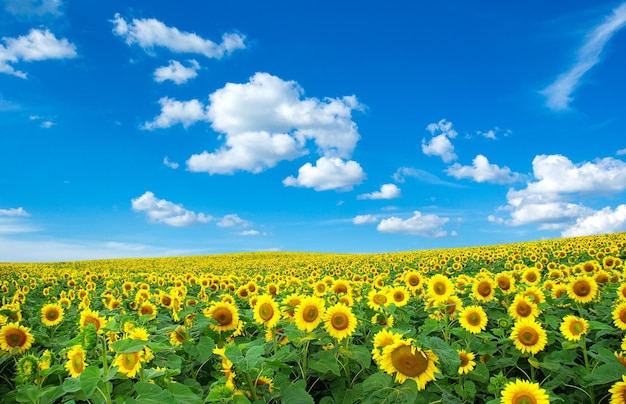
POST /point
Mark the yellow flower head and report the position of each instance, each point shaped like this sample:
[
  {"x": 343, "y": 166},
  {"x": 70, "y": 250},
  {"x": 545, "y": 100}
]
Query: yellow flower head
[
  {"x": 473, "y": 319},
  {"x": 528, "y": 336},
  {"x": 440, "y": 287},
  {"x": 266, "y": 311},
  {"x": 226, "y": 315},
  {"x": 15, "y": 338},
  {"x": 90, "y": 316},
  {"x": 523, "y": 391},
  {"x": 51, "y": 314},
  {"x": 75, "y": 361},
  {"x": 582, "y": 289},
  {"x": 339, "y": 321},
  {"x": 523, "y": 307},
  {"x": 619, "y": 316},
  {"x": 409, "y": 362},
  {"x": 573, "y": 327},
  {"x": 309, "y": 313},
  {"x": 129, "y": 363},
  {"x": 483, "y": 290},
  {"x": 467, "y": 362}
]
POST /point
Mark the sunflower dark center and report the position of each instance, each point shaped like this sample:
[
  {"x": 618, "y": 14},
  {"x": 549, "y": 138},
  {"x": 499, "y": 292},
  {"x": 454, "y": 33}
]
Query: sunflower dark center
[
  {"x": 340, "y": 321},
  {"x": 223, "y": 316},
  {"x": 408, "y": 363},
  {"x": 266, "y": 311}
]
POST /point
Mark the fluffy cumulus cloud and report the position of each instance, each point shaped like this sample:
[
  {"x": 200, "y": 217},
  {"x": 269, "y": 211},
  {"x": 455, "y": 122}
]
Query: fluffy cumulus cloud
[
  {"x": 149, "y": 33},
  {"x": 166, "y": 212},
  {"x": 268, "y": 120},
  {"x": 418, "y": 224},
  {"x": 175, "y": 112},
  {"x": 171, "y": 164},
  {"x": 14, "y": 212},
  {"x": 547, "y": 201},
  {"x": 176, "y": 72},
  {"x": 387, "y": 191},
  {"x": 248, "y": 151},
  {"x": 559, "y": 93},
  {"x": 232, "y": 220},
  {"x": 328, "y": 173},
  {"x": 606, "y": 220},
  {"x": 364, "y": 219},
  {"x": 440, "y": 144},
  {"x": 36, "y": 46},
  {"x": 482, "y": 171}
]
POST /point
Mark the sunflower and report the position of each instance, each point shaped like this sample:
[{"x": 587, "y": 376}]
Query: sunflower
[
  {"x": 90, "y": 316},
  {"x": 377, "y": 298},
  {"x": 473, "y": 319},
  {"x": 618, "y": 392},
  {"x": 523, "y": 307},
  {"x": 148, "y": 310},
  {"x": 483, "y": 290},
  {"x": 399, "y": 296},
  {"x": 582, "y": 289},
  {"x": 266, "y": 311},
  {"x": 619, "y": 316},
  {"x": 621, "y": 292},
  {"x": 129, "y": 363},
  {"x": 573, "y": 327},
  {"x": 226, "y": 314},
  {"x": 523, "y": 391},
  {"x": 440, "y": 287},
  {"x": 467, "y": 361},
  {"x": 51, "y": 314},
  {"x": 309, "y": 313},
  {"x": 414, "y": 281},
  {"x": 290, "y": 303},
  {"x": 531, "y": 276},
  {"x": 339, "y": 321},
  {"x": 409, "y": 362},
  {"x": 179, "y": 335},
  {"x": 75, "y": 361},
  {"x": 15, "y": 338},
  {"x": 528, "y": 336},
  {"x": 535, "y": 293}
]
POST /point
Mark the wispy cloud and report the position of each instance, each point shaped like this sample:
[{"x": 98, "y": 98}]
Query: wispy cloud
[
  {"x": 166, "y": 212},
  {"x": 14, "y": 212},
  {"x": 559, "y": 93}
]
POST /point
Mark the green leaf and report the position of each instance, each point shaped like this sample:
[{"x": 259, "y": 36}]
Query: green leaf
[
  {"x": 183, "y": 394},
  {"x": 27, "y": 393},
  {"x": 480, "y": 373},
  {"x": 604, "y": 374},
  {"x": 296, "y": 394},
  {"x": 148, "y": 393},
  {"x": 89, "y": 379},
  {"x": 324, "y": 362},
  {"x": 50, "y": 394},
  {"x": 360, "y": 354},
  {"x": 174, "y": 361},
  {"x": 448, "y": 356},
  {"x": 205, "y": 348},
  {"x": 233, "y": 353},
  {"x": 254, "y": 357},
  {"x": 376, "y": 382},
  {"x": 71, "y": 385},
  {"x": 128, "y": 345}
]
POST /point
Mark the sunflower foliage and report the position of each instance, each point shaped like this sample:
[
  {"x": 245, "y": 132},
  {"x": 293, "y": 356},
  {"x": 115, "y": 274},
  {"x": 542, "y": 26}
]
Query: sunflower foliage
[{"x": 533, "y": 322}]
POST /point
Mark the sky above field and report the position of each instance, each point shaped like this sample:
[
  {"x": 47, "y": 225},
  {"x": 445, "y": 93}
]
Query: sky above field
[{"x": 134, "y": 129}]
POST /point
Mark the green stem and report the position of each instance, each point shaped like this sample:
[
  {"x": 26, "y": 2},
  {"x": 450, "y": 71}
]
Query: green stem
[
  {"x": 346, "y": 365},
  {"x": 252, "y": 386},
  {"x": 586, "y": 358}
]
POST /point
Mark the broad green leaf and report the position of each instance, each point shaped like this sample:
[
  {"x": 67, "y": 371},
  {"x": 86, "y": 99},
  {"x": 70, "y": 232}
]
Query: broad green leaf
[
  {"x": 183, "y": 394},
  {"x": 296, "y": 394},
  {"x": 89, "y": 379},
  {"x": 128, "y": 345}
]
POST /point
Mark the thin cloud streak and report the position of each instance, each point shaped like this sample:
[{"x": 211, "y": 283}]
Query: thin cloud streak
[{"x": 559, "y": 93}]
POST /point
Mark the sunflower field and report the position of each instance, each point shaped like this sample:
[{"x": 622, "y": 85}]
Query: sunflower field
[{"x": 534, "y": 322}]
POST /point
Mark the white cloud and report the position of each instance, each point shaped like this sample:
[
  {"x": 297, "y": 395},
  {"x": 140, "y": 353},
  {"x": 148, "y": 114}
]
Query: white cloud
[
  {"x": 600, "y": 222},
  {"x": 47, "y": 124},
  {"x": 36, "y": 46},
  {"x": 421, "y": 175},
  {"x": 249, "y": 233},
  {"x": 14, "y": 212},
  {"x": 232, "y": 220},
  {"x": 440, "y": 144},
  {"x": 328, "y": 173},
  {"x": 149, "y": 33},
  {"x": 166, "y": 212},
  {"x": 174, "y": 112},
  {"x": 559, "y": 93},
  {"x": 249, "y": 151},
  {"x": 364, "y": 219},
  {"x": 493, "y": 133},
  {"x": 482, "y": 171},
  {"x": 387, "y": 191},
  {"x": 267, "y": 120},
  {"x": 170, "y": 164},
  {"x": 546, "y": 201},
  {"x": 33, "y": 7},
  {"x": 621, "y": 152},
  {"x": 176, "y": 72},
  {"x": 418, "y": 224}
]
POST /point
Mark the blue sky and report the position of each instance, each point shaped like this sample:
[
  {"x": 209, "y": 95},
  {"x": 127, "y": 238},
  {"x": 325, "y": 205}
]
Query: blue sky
[{"x": 132, "y": 129}]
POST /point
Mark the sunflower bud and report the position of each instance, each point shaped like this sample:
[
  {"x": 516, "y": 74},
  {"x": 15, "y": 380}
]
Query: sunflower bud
[
  {"x": 27, "y": 368},
  {"x": 89, "y": 337}
]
